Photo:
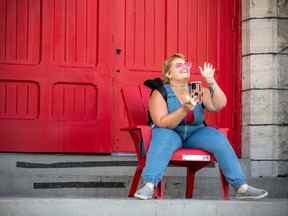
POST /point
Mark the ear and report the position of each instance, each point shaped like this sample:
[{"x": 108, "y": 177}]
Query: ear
[{"x": 168, "y": 75}]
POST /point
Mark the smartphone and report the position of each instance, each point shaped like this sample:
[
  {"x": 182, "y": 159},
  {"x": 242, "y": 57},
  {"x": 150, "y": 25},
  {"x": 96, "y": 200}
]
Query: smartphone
[{"x": 196, "y": 90}]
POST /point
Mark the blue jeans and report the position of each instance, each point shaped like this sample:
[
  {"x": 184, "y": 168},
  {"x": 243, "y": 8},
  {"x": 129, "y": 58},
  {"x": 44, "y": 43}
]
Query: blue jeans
[{"x": 166, "y": 141}]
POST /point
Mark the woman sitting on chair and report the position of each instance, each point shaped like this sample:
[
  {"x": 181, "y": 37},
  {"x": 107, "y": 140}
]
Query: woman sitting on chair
[{"x": 171, "y": 129}]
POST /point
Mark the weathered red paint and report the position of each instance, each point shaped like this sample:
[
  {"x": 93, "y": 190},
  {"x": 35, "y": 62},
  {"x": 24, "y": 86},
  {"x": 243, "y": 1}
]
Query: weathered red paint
[
  {"x": 63, "y": 63},
  {"x": 55, "y": 76},
  {"x": 147, "y": 31}
]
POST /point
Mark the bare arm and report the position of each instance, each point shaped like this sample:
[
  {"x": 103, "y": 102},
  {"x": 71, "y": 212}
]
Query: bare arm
[{"x": 214, "y": 98}]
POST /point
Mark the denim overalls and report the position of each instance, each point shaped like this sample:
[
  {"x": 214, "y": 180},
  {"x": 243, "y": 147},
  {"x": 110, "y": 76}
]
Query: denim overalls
[{"x": 166, "y": 141}]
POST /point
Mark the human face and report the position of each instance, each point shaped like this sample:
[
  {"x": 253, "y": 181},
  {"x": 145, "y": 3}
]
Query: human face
[{"x": 179, "y": 70}]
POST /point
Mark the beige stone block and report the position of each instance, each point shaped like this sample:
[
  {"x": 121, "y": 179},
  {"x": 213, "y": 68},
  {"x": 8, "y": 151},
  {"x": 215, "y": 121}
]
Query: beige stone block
[
  {"x": 265, "y": 71},
  {"x": 246, "y": 108},
  {"x": 282, "y": 8},
  {"x": 261, "y": 107},
  {"x": 262, "y": 36},
  {"x": 283, "y": 142},
  {"x": 245, "y": 147},
  {"x": 265, "y": 142},
  {"x": 282, "y": 71},
  {"x": 259, "y": 8},
  {"x": 283, "y": 35},
  {"x": 260, "y": 71},
  {"x": 245, "y": 38},
  {"x": 265, "y": 107},
  {"x": 282, "y": 107},
  {"x": 246, "y": 73},
  {"x": 245, "y": 9}
]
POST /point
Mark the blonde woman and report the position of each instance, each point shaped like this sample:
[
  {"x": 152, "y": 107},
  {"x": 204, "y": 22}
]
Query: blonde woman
[{"x": 171, "y": 130}]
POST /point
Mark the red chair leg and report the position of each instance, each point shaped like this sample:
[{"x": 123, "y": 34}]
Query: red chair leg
[
  {"x": 190, "y": 182},
  {"x": 225, "y": 187},
  {"x": 135, "y": 181},
  {"x": 160, "y": 189}
]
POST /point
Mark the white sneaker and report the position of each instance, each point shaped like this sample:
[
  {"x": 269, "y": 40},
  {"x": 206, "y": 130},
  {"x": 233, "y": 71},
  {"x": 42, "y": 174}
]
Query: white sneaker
[
  {"x": 144, "y": 193},
  {"x": 252, "y": 193}
]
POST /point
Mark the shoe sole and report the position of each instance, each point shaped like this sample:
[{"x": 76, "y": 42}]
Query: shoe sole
[
  {"x": 253, "y": 197},
  {"x": 138, "y": 196}
]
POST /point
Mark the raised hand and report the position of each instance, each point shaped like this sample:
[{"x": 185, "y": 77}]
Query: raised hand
[{"x": 207, "y": 71}]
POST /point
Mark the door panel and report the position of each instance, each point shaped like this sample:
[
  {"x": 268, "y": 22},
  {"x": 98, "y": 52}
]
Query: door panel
[
  {"x": 20, "y": 32},
  {"x": 53, "y": 77},
  {"x": 139, "y": 31},
  {"x": 148, "y": 31},
  {"x": 63, "y": 63}
]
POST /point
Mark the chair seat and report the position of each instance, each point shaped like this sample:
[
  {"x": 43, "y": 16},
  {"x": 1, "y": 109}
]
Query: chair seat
[{"x": 184, "y": 154}]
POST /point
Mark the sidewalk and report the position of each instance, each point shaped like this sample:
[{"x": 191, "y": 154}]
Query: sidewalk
[{"x": 132, "y": 207}]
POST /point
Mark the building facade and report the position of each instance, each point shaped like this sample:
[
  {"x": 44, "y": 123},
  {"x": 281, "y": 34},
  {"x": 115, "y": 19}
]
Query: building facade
[
  {"x": 56, "y": 58},
  {"x": 265, "y": 86}
]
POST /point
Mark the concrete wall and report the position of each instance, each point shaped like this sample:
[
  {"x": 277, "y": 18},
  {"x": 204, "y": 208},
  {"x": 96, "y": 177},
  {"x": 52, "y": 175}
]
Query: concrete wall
[{"x": 265, "y": 86}]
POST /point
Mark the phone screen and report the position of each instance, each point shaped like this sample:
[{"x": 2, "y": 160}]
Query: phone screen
[{"x": 196, "y": 90}]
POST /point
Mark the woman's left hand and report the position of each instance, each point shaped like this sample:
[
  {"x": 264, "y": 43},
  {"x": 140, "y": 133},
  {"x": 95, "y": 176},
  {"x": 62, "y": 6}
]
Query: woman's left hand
[{"x": 207, "y": 71}]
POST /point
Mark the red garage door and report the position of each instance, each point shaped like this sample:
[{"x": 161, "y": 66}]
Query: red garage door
[
  {"x": 147, "y": 31},
  {"x": 54, "y": 78},
  {"x": 63, "y": 63}
]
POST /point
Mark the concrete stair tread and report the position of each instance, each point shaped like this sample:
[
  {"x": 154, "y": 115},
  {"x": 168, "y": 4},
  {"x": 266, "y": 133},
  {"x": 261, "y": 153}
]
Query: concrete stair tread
[
  {"x": 21, "y": 206},
  {"x": 117, "y": 199},
  {"x": 45, "y": 175}
]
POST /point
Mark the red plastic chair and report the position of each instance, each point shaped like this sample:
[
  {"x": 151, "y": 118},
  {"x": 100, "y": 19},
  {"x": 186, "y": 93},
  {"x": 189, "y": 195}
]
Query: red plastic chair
[{"x": 136, "y": 103}]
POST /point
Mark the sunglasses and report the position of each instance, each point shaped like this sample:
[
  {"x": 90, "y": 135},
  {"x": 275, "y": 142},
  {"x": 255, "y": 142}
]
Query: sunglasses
[{"x": 187, "y": 65}]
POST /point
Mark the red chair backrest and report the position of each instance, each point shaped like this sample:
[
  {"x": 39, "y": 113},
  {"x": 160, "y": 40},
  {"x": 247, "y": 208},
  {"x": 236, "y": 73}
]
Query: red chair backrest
[
  {"x": 145, "y": 92},
  {"x": 136, "y": 104}
]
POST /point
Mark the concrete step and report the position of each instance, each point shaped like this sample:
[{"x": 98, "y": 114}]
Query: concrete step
[
  {"x": 86, "y": 164},
  {"x": 118, "y": 186},
  {"x": 44, "y": 175},
  {"x": 127, "y": 207}
]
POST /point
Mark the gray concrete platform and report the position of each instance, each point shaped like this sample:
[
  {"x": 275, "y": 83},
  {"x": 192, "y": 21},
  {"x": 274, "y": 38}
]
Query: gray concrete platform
[
  {"x": 127, "y": 207},
  {"x": 84, "y": 176}
]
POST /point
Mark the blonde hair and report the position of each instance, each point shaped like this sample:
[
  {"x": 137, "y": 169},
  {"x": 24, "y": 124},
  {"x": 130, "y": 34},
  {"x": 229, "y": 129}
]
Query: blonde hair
[{"x": 167, "y": 65}]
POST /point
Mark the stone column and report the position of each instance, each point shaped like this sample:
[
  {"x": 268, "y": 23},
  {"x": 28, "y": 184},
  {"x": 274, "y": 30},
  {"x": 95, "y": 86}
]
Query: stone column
[{"x": 265, "y": 86}]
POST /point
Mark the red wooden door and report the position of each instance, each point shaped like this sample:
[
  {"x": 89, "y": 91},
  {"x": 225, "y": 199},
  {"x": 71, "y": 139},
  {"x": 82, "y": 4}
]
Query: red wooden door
[
  {"x": 55, "y": 76},
  {"x": 63, "y": 63},
  {"x": 147, "y": 31}
]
